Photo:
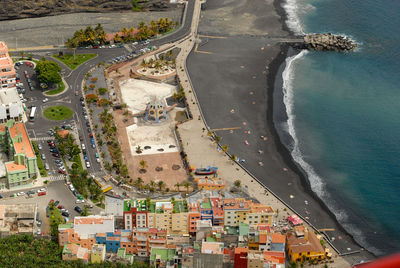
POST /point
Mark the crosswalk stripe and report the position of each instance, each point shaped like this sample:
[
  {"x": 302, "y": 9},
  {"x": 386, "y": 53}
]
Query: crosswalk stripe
[
  {"x": 42, "y": 138},
  {"x": 55, "y": 178}
]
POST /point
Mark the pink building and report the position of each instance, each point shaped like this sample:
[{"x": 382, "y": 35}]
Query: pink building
[{"x": 7, "y": 71}]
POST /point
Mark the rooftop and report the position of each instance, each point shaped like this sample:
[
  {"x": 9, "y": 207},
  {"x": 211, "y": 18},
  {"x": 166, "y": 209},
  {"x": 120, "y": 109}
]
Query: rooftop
[
  {"x": 20, "y": 137},
  {"x": 212, "y": 248},
  {"x": 11, "y": 166},
  {"x": 93, "y": 219},
  {"x": 165, "y": 254},
  {"x": 237, "y": 204},
  {"x": 308, "y": 243}
]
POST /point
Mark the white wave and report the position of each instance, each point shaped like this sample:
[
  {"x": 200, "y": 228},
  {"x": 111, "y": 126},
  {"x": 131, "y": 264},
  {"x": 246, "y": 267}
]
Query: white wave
[
  {"x": 293, "y": 20},
  {"x": 288, "y": 99},
  {"x": 316, "y": 181}
]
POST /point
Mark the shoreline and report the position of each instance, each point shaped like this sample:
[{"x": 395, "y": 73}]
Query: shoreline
[{"x": 275, "y": 83}]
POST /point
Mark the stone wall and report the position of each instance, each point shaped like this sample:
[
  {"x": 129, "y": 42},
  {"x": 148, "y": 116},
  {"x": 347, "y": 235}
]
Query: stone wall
[{"x": 18, "y": 9}]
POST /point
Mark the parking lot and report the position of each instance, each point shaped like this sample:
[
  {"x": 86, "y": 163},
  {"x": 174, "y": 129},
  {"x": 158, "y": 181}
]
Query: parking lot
[{"x": 56, "y": 191}]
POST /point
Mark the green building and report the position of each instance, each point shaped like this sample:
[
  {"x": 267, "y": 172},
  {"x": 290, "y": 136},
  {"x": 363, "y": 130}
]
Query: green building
[{"x": 21, "y": 168}]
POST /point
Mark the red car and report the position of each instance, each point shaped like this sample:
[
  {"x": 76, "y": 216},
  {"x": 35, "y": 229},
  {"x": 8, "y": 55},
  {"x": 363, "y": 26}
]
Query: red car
[
  {"x": 91, "y": 135},
  {"x": 41, "y": 193},
  {"x": 61, "y": 171},
  {"x": 60, "y": 207}
]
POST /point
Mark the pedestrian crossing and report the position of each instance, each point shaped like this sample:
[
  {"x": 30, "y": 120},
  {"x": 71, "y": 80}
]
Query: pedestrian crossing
[
  {"x": 55, "y": 178},
  {"x": 42, "y": 138},
  {"x": 98, "y": 174}
]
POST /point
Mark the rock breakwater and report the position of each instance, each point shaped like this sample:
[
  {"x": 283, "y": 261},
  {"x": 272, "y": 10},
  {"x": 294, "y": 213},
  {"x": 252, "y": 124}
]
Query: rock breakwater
[{"x": 328, "y": 42}]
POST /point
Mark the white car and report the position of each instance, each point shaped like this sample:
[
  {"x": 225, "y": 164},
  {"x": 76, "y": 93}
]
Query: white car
[
  {"x": 45, "y": 100},
  {"x": 98, "y": 160},
  {"x": 87, "y": 164},
  {"x": 39, "y": 232},
  {"x": 83, "y": 146},
  {"x": 78, "y": 201},
  {"x": 21, "y": 194},
  {"x": 41, "y": 190},
  {"x": 39, "y": 146}
]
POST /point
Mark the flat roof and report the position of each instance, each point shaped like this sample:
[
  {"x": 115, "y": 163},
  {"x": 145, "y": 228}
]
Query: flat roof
[{"x": 11, "y": 166}]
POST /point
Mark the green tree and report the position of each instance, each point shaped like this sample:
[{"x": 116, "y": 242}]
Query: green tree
[
  {"x": 177, "y": 185},
  {"x": 161, "y": 185},
  {"x": 102, "y": 90},
  {"x": 237, "y": 183},
  {"x": 187, "y": 184},
  {"x": 143, "y": 164}
]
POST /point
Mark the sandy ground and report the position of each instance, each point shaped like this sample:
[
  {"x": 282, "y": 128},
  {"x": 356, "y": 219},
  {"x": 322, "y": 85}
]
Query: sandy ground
[
  {"x": 137, "y": 93},
  {"x": 158, "y": 137},
  {"x": 55, "y": 30},
  {"x": 166, "y": 160}
]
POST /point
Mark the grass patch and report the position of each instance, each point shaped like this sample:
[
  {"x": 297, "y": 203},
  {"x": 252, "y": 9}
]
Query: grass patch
[
  {"x": 57, "y": 113},
  {"x": 60, "y": 88},
  {"x": 72, "y": 62},
  {"x": 39, "y": 161}
]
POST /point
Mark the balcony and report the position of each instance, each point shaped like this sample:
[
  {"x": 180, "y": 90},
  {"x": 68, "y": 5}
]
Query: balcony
[
  {"x": 157, "y": 240},
  {"x": 141, "y": 238}
]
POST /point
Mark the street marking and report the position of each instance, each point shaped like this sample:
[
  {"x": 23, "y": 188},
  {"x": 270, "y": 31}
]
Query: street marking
[
  {"x": 42, "y": 138},
  {"x": 196, "y": 48},
  {"x": 55, "y": 178},
  {"x": 226, "y": 128},
  {"x": 212, "y": 36}
]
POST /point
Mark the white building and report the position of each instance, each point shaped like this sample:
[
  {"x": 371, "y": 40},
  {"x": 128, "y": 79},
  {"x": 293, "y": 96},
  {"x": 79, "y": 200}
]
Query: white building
[
  {"x": 93, "y": 224},
  {"x": 10, "y": 105}
]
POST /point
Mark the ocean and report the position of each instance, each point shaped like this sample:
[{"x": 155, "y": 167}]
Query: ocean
[{"x": 343, "y": 115}]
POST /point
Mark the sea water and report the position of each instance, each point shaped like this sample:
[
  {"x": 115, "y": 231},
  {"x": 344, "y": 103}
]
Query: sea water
[{"x": 344, "y": 115}]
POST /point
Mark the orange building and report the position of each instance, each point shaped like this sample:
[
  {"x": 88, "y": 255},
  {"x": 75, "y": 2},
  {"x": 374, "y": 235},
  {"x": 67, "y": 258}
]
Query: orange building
[
  {"x": 7, "y": 71},
  {"x": 212, "y": 184}
]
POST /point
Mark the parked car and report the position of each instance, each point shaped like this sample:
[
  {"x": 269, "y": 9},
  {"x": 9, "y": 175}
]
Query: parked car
[
  {"x": 96, "y": 155},
  {"x": 43, "y": 156},
  {"x": 55, "y": 155},
  {"x": 42, "y": 193},
  {"x": 56, "y": 203},
  {"x": 45, "y": 100},
  {"x": 87, "y": 124},
  {"x": 87, "y": 164},
  {"x": 40, "y": 146},
  {"x": 85, "y": 157},
  {"x": 46, "y": 166},
  {"x": 62, "y": 171},
  {"x": 60, "y": 207},
  {"x": 78, "y": 209},
  {"x": 31, "y": 192},
  {"x": 76, "y": 92},
  {"x": 89, "y": 130},
  {"x": 83, "y": 146},
  {"x": 93, "y": 146},
  {"x": 91, "y": 135},
  {"x": 65, "y": 214},
  {"x": 92, "y": 140},
  {"x": 20, "y": 194}
]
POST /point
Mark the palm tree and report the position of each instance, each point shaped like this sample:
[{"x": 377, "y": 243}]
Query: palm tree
[
  {"x": 22, "y": 54},
  {"x": 143, "y": 164},
  {"x": 187, "y": 184},
  {"x": 225, "y": 148},
  {"x": 177, "y": 186},
  {"x": 161, "y": 185},
  {"x": 217, "y": 139},
  {"x": 139, "y": 182},
  {"x": 237, "y": 183}
]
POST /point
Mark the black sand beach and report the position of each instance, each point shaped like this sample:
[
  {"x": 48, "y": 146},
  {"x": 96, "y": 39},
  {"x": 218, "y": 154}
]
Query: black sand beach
[{"x": 235, "y": 78}]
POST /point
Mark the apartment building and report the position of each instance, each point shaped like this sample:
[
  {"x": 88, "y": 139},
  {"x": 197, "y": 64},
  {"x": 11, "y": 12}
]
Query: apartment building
[
  {"x": 21, "y": 168},
  {"x": 235, "y": 211},
  {"x": 210, "y": 184},
  {"x": 7, "y": 71}
]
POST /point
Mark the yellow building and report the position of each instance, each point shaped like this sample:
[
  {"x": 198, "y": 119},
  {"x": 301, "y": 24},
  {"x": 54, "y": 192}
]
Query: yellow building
[
  {"x": 179, "y": 223},
  {"x": 304, "y": 246},
  {"x": 259, "y": 213},
  {"x": 235, "y": 211},
  {"x": 98, "y": 253},
  {"x": 171, "y": 216}
]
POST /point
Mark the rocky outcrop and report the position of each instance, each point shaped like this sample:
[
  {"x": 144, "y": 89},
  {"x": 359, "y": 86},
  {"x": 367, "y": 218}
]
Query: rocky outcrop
[
  {"x": 328, "y": 42},
  {"x": 19, "y": 9}
]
